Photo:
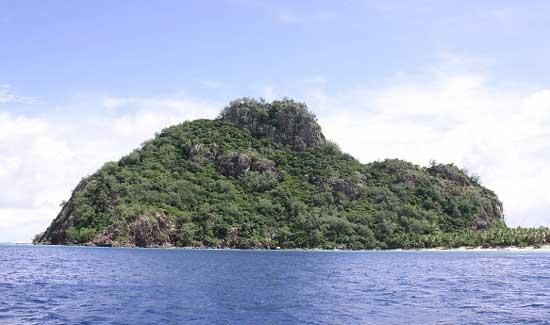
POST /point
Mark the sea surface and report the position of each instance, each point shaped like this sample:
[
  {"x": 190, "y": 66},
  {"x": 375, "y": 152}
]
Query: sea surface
[{"x": 77, "y": 285}]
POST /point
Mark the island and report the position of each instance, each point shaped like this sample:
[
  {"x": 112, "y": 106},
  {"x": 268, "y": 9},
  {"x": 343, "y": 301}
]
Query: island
[{"x": 262, "y": 175}]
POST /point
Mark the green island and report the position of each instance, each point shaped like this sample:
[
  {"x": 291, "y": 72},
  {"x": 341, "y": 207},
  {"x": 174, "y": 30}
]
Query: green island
[{"x": 262, "y": 175}]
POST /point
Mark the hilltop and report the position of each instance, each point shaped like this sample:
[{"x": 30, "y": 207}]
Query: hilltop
[{"x": 263, "y": 175}]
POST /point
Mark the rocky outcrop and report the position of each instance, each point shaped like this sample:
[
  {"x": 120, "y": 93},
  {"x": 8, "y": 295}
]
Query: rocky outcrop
[
  {"x": 152, "y": 231},
  {"x": 450, "y": 172},
  {"x": 104, "y": 241},
  {"x": 235, "y": 164},
  {"x": 205, "y": 153},
  {"x": 286, "y": 121},
  {"x": 349, "y": 188},
  {"x": 156, "y": 230},
  {"x": 490, "y": 209}
]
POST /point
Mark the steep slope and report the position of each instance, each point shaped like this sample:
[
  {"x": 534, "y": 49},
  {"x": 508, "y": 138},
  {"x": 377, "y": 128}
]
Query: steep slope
[{"x": 263, "y": 175}]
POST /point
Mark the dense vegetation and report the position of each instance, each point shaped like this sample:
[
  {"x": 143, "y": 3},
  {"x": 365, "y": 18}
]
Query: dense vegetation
[{"x": 263, "y": 175}]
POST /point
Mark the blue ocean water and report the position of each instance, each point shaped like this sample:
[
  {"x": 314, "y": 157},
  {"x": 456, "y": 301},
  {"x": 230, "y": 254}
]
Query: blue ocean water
[{"x": 76, "y": 285}]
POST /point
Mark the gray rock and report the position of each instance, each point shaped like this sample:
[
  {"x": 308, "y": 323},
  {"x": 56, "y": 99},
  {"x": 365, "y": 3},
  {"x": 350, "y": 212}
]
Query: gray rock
[
  {"x": 234, "y": 164},
  {"x": 151, "y": 231},
  {"x": 285, "y": 121}
]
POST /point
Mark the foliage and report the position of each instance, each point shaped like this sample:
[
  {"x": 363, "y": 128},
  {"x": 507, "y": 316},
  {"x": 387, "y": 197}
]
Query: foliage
[{"x": 241, "y": 181}]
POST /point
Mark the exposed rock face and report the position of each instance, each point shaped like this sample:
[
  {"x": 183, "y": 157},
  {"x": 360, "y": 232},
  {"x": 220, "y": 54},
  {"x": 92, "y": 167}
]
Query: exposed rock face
[
  {"x": 103, "y": 241},
  {"x": 204, "y": 152},
  {"x": 450, "y": 172},
  {"x": 287, "y": 122},
  {"x": 156, "y": 231},
  {"x": 261, "y": 166},
  {"x": 488, "y": 210},
  {"x": 336, "y": 185},
  {"x": 153, "y": 231},
  {"x": 235, "y": 164},
  {"x": 110, "y": 237}
]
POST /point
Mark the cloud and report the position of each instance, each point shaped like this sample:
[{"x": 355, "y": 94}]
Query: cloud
[
  {"x": 8, "y": 96},
  {"x": 42, "y": 159},
  {"x": 19, "y": 225},
  {"x": 501, "y": 134}
]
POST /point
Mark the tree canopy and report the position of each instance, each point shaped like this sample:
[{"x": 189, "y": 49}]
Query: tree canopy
[{"x": 263, "y": 175}]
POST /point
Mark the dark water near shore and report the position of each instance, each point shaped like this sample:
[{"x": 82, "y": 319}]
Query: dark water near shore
[{"x": 73, "y": 285}]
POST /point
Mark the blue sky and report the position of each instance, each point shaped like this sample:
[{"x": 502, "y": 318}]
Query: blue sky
[
  {"x": 54, "y": 49},
  {"x": 82, "y": 82}
]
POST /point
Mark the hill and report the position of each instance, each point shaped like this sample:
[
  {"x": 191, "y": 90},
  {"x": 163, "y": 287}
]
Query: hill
[{"x": 262, "y": 175}]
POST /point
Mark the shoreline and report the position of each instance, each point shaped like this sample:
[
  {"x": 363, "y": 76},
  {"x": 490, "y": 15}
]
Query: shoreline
[
  {"x": 433, "y": 249},
  {"x": 483, "y": 249}
]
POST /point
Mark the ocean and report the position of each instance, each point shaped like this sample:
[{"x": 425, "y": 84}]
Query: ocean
[{"x": 79, "y": 285}]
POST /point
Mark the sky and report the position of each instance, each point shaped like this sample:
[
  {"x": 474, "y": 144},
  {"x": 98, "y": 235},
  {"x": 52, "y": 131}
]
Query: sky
[{"x": 85, "y": 82}]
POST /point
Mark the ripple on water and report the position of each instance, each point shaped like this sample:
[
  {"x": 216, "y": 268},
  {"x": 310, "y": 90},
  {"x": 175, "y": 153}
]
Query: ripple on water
[{"x": 72, "y": 285}]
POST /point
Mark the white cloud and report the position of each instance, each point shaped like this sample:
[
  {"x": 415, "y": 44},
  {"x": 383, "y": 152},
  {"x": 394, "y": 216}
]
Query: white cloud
[
  {"x": 7, "y": 95},
  {"x": 20, "y": 225},
  {"x": 501, "y": 134},
  {"x": 42, "y": 159}
]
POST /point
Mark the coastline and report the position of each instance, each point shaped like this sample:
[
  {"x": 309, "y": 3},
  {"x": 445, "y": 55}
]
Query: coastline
[
  {"x": 542, "y": 248},
  {"x": 489, "y": 249}
]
